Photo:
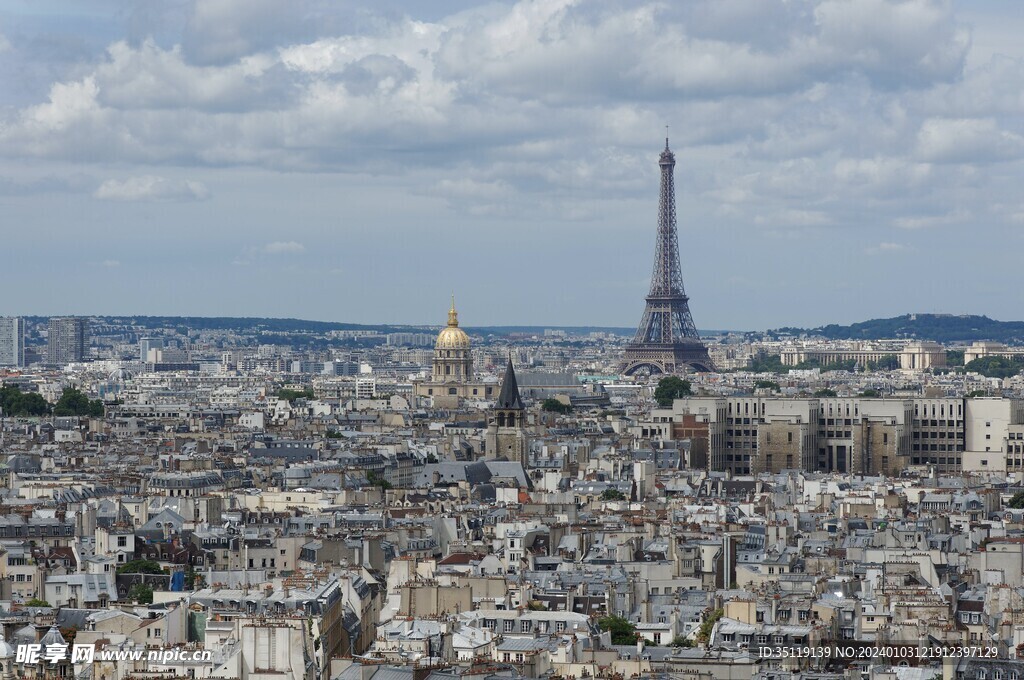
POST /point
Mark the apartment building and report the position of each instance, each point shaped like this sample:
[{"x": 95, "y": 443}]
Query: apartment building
[{"x": 752, "y": 434}]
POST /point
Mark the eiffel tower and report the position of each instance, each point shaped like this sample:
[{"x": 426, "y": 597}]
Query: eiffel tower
[{"x": 666, "y": 340}]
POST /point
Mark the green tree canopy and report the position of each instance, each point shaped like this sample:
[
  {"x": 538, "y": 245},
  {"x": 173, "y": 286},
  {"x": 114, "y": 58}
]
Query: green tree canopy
[
  {"x": 680, "y": 641},
  {"x": 1017, "y": 502},
  {"x": 870, "y": 392},
  {"x": 771, "y": 363},
  {"x": 623, "y": 632},
  {"x": 376, "y": 479},
  {"x": 36, "y": 602},
  {"x": 74, "y": 402},
  {"x": 669, "y": 388},
  {"x": 555, "y": 406},
  {"x": 14, "y": 402},
  {"x": 767, "y": 385},
  {"x": 825, "y": 392},
  {"x": 612, "y": 495},
  {"x": 292, "y": 395},
  {"x": 996, "y": 367},
  {"x": 141, "y": 593},
  {"x": 704, "y": 634},
  {"x": 887, "y": 362},
  {"x": 140, "y": 567}
]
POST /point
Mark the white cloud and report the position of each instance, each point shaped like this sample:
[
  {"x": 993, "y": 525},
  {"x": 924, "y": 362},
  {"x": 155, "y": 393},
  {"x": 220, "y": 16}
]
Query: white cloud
[
  {"x": 929, "y": 221},
  {"x": 284, "y": 248},
  {"x": 110, "y": 264},
  {"x": 289, "y": 93},
  {"x": 885, "y": 247},
  {"x": 151, "y": 188},
  {"x": 967, "y": 140}
]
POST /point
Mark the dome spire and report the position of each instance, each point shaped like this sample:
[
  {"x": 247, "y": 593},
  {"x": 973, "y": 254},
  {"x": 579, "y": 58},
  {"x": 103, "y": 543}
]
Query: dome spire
[{"x": 453, "y": 316}]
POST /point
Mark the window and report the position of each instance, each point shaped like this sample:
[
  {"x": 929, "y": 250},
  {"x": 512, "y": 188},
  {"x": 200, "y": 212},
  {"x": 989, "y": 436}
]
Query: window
[
  {"x": 509, "y": 625},
  {"x": 122, "y": 541}
]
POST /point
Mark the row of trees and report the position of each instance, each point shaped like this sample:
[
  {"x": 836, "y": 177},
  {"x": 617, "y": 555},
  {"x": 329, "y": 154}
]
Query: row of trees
[
  {"x": 72, "y": 402},
  {"x": 996, "y": 367},
  {"x": 773, "y": 364},
  {"x": 624, "y": 632},
  {"x": 292, "y": 395}
]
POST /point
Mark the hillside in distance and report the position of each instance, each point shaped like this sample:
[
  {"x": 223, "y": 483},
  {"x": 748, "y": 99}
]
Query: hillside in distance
[
  {"x": 943, "y": 328},
  {"x": 285, "y": 326}
]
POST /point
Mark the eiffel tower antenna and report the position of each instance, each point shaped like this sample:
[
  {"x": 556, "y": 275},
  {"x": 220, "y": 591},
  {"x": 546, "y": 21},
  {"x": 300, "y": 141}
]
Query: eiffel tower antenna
[{"x": 666, "y": 340}]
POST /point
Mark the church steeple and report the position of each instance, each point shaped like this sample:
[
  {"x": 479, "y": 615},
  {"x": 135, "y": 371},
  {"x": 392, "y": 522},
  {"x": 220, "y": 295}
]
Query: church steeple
[
  {"x": 506, "y": 422},
  {"x": 509, "y": 395}
]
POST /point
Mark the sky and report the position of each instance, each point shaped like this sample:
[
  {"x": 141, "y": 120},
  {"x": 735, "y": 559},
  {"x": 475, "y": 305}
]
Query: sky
[{"x": 836, "y": 160}]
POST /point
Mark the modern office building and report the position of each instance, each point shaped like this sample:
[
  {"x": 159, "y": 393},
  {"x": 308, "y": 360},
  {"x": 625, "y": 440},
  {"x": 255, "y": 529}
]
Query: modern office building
[
  {"x": 67, "y": 340},
  {"x": 147, "y": 344},
  {"x": 12, "y": 341},
  {"x": 859, "y": 435}
]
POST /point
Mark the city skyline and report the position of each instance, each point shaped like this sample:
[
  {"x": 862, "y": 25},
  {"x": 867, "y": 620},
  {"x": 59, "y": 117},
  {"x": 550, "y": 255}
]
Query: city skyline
[{"x": 355, "y": 164}]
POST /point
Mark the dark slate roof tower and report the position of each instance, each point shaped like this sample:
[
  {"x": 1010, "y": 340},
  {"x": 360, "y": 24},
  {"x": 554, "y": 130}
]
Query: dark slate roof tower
[
  {"x": 506, "y": 423},
  {"x": 509, "y": 395},
  {"x": 667, "y": 338}
]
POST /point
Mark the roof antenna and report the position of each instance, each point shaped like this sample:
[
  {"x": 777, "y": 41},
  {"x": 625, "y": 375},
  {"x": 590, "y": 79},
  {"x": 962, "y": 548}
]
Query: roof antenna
[{"x": 666, "y": 138}]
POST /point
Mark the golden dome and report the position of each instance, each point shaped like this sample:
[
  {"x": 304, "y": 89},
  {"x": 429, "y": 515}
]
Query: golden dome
[{"x": 452, "y": 337}]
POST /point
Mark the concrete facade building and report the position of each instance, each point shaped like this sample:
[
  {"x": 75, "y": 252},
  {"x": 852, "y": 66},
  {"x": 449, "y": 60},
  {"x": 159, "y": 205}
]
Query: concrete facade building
[
  {"x": 146, "y": 345},
  {"x": 913, "y": 356},
  {"x": 858, "y": 435},
  {"x": 67, "y": 340},
  {"x": 12, "y": 341}
]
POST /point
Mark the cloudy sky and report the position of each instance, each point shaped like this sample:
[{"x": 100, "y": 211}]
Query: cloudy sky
[{"x": 357, "y": 161}]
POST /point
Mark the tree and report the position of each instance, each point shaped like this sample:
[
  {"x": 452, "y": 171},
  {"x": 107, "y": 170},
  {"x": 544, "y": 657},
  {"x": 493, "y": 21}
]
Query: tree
[
  {"x": 704, "y": 634},
  {"x": 612, "y": 495},
  {"x": 825, "y": 392},
  {"x": 623, "y": 632},
  {"x": 292, "y": 395},
  {"x": 767, "y": 385},
  {"x": 954, "y": 357},
  {"x": 887, "y": 362},
  {"x": 36, "y": 602},
  {"x": 140, "y": 567},
  {"x": 995, "y": 367},
  {"x": 681, "y": 641},
  {"x": 870, "y": 392},
  {"x": 14, "y": 402},
  {"x": 73, "y": 402},
  {"x": 670, "y": 388},
  {"x": 141, "y": 593},
  {"x": 376, "y": 479},
  {"x": 1017, "y": 502},
  {"x": 771, "y": 363},
  {"x": 555, "y": 406},
  {"x": 977, "y": 393}
]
